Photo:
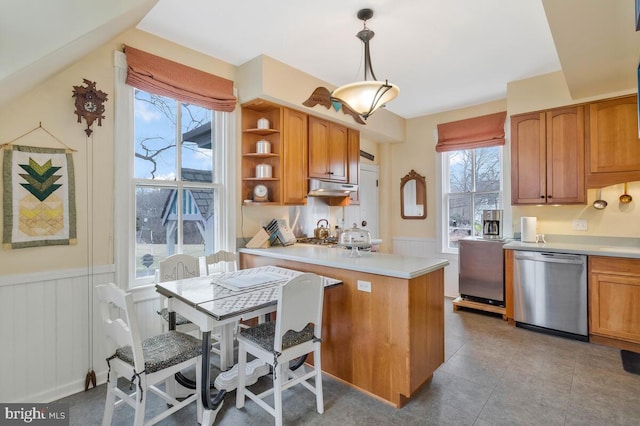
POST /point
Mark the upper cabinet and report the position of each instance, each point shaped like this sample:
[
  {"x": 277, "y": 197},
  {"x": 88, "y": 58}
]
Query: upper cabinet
[
  {"x": 327, "y": 150},
  {"x": 261, "y": 166},
  {"x": 294, "y": 157},
  {"x": 353, "y": 156},
  {"x": 613, "y": 146},
  {"x": 548, "y": 157},
  {"x": 274, "y": 155}
]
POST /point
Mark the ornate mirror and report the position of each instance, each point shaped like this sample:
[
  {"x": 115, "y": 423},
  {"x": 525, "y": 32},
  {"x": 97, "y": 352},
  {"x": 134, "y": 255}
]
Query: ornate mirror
[{"x": 413, "y": 196}]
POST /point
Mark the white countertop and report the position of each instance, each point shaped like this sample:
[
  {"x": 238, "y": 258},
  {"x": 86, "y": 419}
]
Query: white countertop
[
  {"x": 390, "y": 265},
  {"x": 594, "y": 246}
]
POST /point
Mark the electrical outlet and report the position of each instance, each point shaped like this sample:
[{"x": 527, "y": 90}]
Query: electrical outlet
[
  {"x": 579, "y": 225},
  {"x": 364, "y": 286}
]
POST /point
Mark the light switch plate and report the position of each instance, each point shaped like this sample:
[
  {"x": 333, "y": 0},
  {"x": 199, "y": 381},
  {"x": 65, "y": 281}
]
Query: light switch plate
[
  {"x": 364, "y": 286},
  {"x": 579, "y": 225}
]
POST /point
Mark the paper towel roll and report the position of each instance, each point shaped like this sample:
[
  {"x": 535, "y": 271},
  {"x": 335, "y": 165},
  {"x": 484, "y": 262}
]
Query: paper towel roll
[{"x": 528, "y": 227}]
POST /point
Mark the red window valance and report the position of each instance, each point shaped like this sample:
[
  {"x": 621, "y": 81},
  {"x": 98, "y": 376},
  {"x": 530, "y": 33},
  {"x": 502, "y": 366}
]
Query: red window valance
[
  {"x": 477, "y": 132},
  {"x": 163, "y": 77}
]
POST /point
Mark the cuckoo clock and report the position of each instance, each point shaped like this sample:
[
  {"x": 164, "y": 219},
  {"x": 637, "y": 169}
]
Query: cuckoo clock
[{"x": 89, "y": 104}]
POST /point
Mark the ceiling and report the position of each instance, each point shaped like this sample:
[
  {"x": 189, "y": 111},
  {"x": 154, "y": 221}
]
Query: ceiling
[{"x": 442, "y": 54}]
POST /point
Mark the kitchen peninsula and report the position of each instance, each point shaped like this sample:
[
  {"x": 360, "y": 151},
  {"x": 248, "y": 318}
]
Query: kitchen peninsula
[{"x": 383, "y": 330}]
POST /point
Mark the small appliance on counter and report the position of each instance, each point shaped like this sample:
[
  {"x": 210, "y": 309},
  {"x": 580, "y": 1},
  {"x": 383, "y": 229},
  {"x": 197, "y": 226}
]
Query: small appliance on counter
[{"x": 492, "y": 224}]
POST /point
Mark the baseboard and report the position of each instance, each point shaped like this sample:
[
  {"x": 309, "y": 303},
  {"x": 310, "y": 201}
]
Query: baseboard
[{"x": 614, "y": 343}]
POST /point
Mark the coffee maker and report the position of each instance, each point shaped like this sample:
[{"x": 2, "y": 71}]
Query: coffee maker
[{"x": 492, "y": 224}]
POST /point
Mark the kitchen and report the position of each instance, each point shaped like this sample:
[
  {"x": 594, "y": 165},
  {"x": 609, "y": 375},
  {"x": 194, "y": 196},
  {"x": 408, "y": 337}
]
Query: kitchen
[{"x": 398, "y": 146}]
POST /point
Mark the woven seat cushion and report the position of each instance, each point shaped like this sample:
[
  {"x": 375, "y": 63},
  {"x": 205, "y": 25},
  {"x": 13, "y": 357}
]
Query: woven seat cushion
[
  {"x": 264, "y": 335},
  {"x": 164, "y": 350},
  {"x": 180, "y": 320}
]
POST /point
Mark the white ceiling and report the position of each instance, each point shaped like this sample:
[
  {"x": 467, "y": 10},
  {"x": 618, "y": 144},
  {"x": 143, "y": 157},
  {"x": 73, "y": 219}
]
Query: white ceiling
[{"x": 442, "y": 54}]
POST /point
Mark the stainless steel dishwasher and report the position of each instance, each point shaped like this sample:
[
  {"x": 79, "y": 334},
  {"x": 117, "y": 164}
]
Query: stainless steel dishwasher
[{"x": 550, "y": 293}]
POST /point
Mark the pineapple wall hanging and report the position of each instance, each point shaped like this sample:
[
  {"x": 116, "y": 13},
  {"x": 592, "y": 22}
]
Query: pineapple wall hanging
[{"x": 39, "y": 195}]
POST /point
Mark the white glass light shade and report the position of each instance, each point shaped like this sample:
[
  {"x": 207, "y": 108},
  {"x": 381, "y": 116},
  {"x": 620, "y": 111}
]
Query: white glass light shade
[{"x": 365, "y": 97}]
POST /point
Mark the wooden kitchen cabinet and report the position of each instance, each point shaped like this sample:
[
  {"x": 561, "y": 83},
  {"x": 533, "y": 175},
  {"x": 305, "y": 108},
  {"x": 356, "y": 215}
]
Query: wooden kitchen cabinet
[
  {"x": 353, "y": 156},
  {"x": 288, "y": 157},
  {"x": 327, "y": 150},
  {"x": 294, "y": 158},
  {"x": 614, "y": 300},
  {"x": 548, "y": 157},
  {"x": 251, "y": 134},
  {"x": 613, "y": 146}
]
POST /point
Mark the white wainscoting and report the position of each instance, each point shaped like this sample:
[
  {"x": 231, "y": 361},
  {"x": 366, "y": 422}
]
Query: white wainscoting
[
  {"x": 427, "y": 247},
  {"x": 45, "y": 332}
]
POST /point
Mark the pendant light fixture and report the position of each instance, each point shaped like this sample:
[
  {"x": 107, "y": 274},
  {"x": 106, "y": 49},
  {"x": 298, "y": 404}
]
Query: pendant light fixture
[{"x": 366, "y": 96}]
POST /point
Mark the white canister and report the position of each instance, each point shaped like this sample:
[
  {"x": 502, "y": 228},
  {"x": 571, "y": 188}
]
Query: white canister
[
  {"x": 263, "y": 123},
  {"x": 528, "y": 226},
  {"x": 263, "y": 147},
  {"x": 263, "y": 171}
]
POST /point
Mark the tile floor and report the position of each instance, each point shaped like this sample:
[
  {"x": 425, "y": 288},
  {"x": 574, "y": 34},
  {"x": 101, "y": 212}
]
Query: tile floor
[{"x": 494, "y": 374}]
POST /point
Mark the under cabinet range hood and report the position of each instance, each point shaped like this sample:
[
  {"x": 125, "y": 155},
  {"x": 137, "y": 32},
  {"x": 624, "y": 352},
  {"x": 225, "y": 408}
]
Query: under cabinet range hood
[{"x": 323, "y": 188}]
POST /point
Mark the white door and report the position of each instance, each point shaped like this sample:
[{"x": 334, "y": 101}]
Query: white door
[{"x": 367, "y": 211}]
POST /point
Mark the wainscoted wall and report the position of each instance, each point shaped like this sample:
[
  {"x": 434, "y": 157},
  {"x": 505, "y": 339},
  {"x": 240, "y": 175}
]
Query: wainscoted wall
[
  {"x": 427, "y": 247},
  {"x": 46, "y": 333}
]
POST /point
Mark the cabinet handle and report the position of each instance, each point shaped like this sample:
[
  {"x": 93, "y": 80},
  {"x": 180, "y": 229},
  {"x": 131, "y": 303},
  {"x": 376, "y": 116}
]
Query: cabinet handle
[
  {"x": 542, "y": 196},
  {"x": 549, "y": 196},
  {"x": 330, "y": 173}
]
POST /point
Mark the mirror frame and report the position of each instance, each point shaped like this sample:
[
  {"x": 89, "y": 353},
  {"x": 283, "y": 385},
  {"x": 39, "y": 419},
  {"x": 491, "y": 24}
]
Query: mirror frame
[{"x": 421, "y": 193}]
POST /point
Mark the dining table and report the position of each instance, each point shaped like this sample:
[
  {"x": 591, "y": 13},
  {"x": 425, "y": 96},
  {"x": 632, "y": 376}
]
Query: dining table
[{"x": 218, "y": 302}]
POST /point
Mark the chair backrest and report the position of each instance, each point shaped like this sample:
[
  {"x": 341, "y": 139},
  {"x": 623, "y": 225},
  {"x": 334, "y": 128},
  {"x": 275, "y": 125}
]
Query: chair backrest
[
  {"x": 299, "y": 303},
  {"x": 123, "y": 330},
  {"x": 178, "y": 266},
  {"x": 221, "y": 261}
]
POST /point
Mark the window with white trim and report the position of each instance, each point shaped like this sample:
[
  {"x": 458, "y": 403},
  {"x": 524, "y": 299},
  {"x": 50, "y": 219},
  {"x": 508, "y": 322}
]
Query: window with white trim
[
  {"x": 472, "y": 182},
  {"x": 173, "y": 179}
]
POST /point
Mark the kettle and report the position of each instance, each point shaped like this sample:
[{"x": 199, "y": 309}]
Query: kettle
[{"x": 321, "y": 232}]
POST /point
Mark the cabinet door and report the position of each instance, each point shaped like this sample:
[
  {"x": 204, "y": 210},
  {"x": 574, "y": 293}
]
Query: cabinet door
[
  {"x": 565, "y": 156},
  {"x": 614, "y": 301},
  {"x": 613, "y": 144},
  {"x": 327, "y": 150},
  {"x": 528, "y": 159},
  {"x": 353, "y": 155},
  {"x": 338, "y": 153},
  {"x": 318, "y": 148},
  {"x": 294, "y": 157}
]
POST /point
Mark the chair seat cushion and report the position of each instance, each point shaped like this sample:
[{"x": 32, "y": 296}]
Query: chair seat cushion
[
  {"x": 180, "y": 320},
  {"x": 164, "y": 350},
  {"x": 264, "y": 335}
]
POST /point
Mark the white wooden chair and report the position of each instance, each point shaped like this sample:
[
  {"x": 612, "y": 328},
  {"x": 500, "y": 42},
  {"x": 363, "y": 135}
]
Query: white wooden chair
[
  {"x": 147, "y": 363},
  {"x": 177, "y": 267},
  {"x": 215, "y": 263},
  {"x": 221, "y": 261},
  {"x": 296, "y": 332}
]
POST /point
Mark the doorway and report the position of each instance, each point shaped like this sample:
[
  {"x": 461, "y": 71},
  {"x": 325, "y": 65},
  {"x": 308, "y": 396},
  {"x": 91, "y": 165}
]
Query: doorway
[{"x": 367, "y": 210}]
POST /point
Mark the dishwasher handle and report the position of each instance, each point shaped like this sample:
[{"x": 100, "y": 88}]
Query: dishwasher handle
[{"x": 550, "y": 257}]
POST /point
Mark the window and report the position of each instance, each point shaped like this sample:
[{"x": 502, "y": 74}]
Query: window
[
  {"x": 472, "y": 182},
  {"x": 176, "y": 187},
  {"x": 174, "y": 180}
]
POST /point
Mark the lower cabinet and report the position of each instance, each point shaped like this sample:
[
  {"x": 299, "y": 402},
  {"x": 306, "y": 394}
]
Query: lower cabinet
[{"x": 614, "y": 298}]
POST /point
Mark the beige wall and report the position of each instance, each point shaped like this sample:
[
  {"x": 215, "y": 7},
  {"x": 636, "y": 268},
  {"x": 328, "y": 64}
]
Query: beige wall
[
  {"x": 418, "y": 153},
  {"x": 618, "y": 220},
  {"x": 398, "y": 145},
  {"x": 52, "y": 104}
]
